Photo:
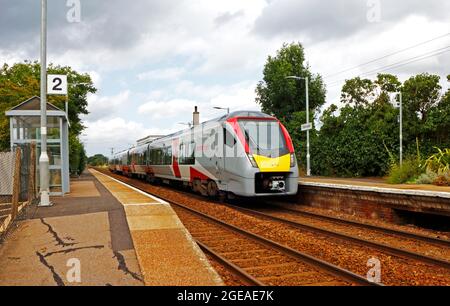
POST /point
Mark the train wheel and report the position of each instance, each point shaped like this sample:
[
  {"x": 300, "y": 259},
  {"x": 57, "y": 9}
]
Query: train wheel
[{"x": 213, "y": 191}]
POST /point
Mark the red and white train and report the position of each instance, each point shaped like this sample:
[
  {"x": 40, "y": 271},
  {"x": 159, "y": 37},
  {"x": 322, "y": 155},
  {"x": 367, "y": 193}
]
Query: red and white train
[{"x": 244, "y": 153}]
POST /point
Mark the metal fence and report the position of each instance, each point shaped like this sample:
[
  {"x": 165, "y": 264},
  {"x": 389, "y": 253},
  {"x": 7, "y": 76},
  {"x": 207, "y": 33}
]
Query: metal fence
[
  {"x": 6, "y": 176},
  {"x": 17, "y": 181}
]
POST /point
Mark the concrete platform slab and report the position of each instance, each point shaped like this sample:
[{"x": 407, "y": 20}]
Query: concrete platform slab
[
  {"x": 89, "y": 230},
  {"x": 377, "y": 185},
  {"x": 167, "y": 254},
  {"x": 82, "y": 189}
]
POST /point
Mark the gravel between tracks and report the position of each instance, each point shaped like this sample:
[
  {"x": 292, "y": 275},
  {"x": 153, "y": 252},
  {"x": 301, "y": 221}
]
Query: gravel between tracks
[
  {"x": 268, "y": 265},
  {"x": 421, "y": 247}
]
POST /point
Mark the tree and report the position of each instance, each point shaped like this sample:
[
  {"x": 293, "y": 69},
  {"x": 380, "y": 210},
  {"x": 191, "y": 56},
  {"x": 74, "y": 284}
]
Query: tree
[
  {"x": 357, "y": 92},
  {"x": 98, "y": 160},
  {"x": 77, "y": 155},
  {"x": 351, "y": 141},
  {"x": 420, "y": 94},
  {"x": 283, "y": 97},
  {"x": 421, "y": 97}
]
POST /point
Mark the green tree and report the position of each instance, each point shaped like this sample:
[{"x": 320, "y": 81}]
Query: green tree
[
  {"x": 421, "y": 98},
  {"x": 357, "y": 92},
  {"x": 77, "y": 155},
  {"x": 351, "y": 140},
  {"x": 98, "y": 160},
  {"x": 283, "y": 97}
]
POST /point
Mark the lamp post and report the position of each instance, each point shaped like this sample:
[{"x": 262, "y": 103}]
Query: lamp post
[
  {"x": 308, "y": 156},
  {"x": 43, "y": 158},
  {"x": 223, "y": 108},
  {"x": 401, "y": 127}
]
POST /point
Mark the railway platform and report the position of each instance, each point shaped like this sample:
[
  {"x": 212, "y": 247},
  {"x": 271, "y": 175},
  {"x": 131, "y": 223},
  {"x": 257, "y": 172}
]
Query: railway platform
[
  {"x": 102, "y": 233},
  {"x": 166, "y": 252},
  {"x": 373, "y": 198}
]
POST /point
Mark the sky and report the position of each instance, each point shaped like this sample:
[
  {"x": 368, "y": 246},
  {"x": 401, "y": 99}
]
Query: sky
[{"x": 154, "y": 60}]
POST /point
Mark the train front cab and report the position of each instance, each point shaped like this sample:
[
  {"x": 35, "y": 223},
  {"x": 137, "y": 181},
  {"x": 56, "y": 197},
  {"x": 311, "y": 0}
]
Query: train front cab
[{"x": 270, "y": 165}]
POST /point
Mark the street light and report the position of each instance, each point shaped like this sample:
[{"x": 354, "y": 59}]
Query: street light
[
  {"x": 223, "y": 108},
  {"x": 400, "y": 105},
  {"x": 189, "y": 124},
  {"x": 308, "y": 156},
  {"x": 43, "y": 158}
]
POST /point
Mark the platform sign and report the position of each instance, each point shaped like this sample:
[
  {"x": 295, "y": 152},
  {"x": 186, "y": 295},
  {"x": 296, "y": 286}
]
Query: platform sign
[
  {"x": 57, "y": 84},
  {"x": 306, "y": 127}
]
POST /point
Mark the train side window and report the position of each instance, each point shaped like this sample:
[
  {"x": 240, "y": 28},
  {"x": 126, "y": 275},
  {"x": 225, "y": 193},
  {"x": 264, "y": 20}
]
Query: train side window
[
  {"x": 229, "y": 139},
  {"x": 187, "y": 154},
  {"x": 168, "y": 156}
]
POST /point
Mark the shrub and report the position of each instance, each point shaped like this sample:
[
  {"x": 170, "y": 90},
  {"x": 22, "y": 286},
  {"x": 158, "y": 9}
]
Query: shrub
[
  {"x": 408, "y": 172},
  {"x": 439, "y": 162},
  {"x": 426, "y": 178}
]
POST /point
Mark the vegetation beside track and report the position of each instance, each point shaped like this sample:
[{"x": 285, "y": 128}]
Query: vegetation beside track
[{"x": 359, "y": 135}]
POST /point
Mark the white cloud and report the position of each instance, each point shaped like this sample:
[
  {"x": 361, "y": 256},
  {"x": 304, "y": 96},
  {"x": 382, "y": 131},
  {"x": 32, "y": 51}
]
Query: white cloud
[
  {"x": 117, "y": 133},
  {"x": 103, "y": 106},
  {"x": 161, "y": 74},
  {"x": 167, "y": 109}
]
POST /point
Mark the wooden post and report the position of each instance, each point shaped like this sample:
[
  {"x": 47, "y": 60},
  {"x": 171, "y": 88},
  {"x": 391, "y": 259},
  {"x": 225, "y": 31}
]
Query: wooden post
[
  {"x": 32, "y": 174},
  {"x": 16, "y": 184}
]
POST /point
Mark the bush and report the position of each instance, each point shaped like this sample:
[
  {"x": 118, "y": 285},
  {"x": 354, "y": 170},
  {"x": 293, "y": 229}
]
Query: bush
[
  {"x": 439, "y": 162},
  {"x": 408, "y": 172},
  {"x": 426, "y": 178}
]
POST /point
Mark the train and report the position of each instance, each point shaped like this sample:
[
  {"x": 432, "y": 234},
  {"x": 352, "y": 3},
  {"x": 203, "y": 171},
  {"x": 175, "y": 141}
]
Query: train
[{"x": 243, "y": 153}]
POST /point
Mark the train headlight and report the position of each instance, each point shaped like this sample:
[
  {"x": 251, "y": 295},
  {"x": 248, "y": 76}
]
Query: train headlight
[
  {"x": 292, "y": 160},
  {"x": 252, "y": 161}
]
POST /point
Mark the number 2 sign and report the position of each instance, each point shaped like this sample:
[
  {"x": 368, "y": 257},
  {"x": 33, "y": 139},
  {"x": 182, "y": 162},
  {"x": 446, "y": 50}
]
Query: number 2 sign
[{"x": 57, "y": 84}]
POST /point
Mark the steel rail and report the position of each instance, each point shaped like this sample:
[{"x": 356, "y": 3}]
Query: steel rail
[{"x": 247, "y": 278}]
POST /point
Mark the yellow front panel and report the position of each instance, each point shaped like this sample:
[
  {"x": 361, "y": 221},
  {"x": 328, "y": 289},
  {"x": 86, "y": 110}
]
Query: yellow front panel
[{"x": 278, "y": 164}]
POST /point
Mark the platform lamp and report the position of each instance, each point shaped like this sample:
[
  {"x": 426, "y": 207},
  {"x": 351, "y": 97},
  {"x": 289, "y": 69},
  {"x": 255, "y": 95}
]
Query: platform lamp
[
  {"x": 223, "y": 108},
  {"x": 44, "y": 175},
  {"x": 308, "y": 156}
]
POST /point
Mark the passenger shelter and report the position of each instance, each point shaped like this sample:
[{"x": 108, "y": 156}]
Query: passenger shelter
[{"x": 25, "y": 128}]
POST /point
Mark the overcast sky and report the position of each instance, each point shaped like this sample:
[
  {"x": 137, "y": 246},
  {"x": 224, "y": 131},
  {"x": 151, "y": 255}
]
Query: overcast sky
[{"x": 154, "y": 60}]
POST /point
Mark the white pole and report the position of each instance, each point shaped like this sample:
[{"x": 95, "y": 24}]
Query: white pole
[
  {"x": 308, "y": 156},
  {"x": 401, "y": 128},
  {"x": 43, "y": 158}
]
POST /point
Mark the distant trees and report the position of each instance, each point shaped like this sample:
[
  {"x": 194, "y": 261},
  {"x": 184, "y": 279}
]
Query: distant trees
[
  {"x": 361, "y": 136},
  {"x": 22, "y": 81},
  {"x": 97, "y": 160}
]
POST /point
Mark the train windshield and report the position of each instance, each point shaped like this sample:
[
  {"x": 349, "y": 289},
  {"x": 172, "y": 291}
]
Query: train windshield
[{"x": 264, "y": 137}]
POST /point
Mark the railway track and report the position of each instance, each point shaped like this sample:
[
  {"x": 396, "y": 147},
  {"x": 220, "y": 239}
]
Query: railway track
[
  {"x": 258, "y": 260},
  {"x": 429, "y": 274},
  {"x": 369, "y": 243},
  {"x": 386, "y": 230}
]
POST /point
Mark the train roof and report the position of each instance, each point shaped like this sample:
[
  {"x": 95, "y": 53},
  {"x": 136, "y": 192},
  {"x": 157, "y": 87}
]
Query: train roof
[{"x": 253, "y": 114}]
